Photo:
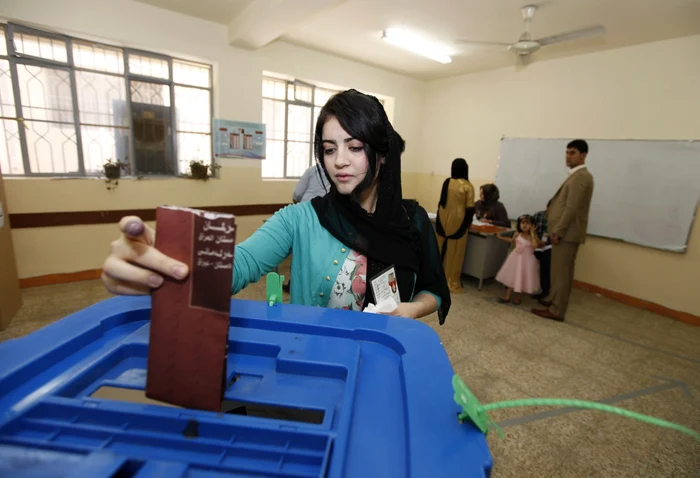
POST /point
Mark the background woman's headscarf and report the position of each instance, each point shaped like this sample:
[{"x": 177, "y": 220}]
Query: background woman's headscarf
[
  {"x": 491, "y": 195},
  {"x": 460, "y": 170},
  {"x": 399, "y": 232}
]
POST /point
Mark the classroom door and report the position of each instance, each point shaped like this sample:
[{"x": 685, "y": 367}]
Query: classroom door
[{"x": 10, "y": 296}]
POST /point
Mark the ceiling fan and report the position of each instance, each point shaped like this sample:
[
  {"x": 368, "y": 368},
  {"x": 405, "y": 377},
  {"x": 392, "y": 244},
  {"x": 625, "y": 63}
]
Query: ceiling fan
[{"x": 525, "y": 46}]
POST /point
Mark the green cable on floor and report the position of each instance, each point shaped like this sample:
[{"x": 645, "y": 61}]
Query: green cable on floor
[{"x": 477, "y": 413}]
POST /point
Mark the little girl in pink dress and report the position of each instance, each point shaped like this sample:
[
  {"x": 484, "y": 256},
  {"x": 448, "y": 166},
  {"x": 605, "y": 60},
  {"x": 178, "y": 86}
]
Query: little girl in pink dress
[{"x": 520, "y": 273}]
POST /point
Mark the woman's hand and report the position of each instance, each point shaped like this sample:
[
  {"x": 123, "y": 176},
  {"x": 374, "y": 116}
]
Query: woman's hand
[
  {"x": 422, "y": 304},
  {"x": 134, "y": 266},
  {"x": 409, "y": 310}
]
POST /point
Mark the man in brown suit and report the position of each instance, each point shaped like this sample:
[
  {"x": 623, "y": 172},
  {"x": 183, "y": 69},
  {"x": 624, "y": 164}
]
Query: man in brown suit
[{"x": 567, "y": 219}]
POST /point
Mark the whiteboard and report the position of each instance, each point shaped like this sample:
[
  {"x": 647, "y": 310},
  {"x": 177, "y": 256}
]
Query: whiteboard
[{"x": 646, "y": 192}]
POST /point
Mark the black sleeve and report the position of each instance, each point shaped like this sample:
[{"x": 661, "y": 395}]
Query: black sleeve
[{"x": 431, "y": 276}]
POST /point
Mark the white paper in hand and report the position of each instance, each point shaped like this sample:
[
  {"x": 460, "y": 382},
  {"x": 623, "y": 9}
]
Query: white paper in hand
[{"x": 385, "y": 306}]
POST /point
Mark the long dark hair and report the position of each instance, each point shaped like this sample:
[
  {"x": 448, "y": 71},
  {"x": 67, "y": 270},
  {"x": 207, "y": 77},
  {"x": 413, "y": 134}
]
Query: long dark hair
[
  {"x": 399, "y": 232},
  {"x": 460, "y": 170},
  {"x": 364, "y": 119},
  {"x": 491, "y": 194}
]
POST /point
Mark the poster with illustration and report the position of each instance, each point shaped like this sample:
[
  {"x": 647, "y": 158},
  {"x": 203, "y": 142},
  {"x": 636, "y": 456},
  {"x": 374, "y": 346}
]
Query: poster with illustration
[
  {"x": 239, "y": 139},
  {"x": 385, "y": 285}
]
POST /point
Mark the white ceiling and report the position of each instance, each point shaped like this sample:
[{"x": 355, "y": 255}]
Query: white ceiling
[{"x": 352, "y": 28}]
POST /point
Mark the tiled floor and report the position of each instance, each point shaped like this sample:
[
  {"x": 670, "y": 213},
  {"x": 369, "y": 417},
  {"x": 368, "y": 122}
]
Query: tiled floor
[{"x": 605, "y": 351}]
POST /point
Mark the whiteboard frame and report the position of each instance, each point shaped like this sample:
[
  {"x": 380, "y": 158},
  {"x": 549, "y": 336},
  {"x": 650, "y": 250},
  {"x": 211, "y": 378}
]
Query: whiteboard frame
[{"x": 676, "y": 249}]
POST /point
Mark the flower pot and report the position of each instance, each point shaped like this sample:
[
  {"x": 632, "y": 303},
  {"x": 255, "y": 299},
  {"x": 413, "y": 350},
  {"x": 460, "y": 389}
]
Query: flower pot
[
  {"x": 199, "y": 171},
  {"x": 113, "y": 171}
]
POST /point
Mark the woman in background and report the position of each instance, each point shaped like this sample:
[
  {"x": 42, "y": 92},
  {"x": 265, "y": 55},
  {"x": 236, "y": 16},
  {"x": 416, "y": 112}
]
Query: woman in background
[
  {"x": 455, "y": 212},
  {"x": 489, "y": 209}
]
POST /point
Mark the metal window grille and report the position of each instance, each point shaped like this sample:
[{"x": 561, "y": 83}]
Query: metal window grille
[{"x": 69, "y": 105}]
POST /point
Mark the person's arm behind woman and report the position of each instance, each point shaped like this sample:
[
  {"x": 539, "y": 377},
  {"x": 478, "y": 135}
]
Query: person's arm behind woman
[
  {"x": 498, "y": 215},
  {"x": 478, "y": 209}
]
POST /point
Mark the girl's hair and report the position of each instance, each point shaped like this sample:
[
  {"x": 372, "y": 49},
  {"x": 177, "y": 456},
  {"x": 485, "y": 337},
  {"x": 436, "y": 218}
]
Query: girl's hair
[
  {"x": 491, "y": 194},
  {"x": 533, "y": 230},
  {"x": 364, "y": 119}
]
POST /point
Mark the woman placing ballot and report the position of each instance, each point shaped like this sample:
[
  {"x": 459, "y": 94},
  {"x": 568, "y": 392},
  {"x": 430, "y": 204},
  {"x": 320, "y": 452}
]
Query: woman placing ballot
[{"x": 339, "y": 243}]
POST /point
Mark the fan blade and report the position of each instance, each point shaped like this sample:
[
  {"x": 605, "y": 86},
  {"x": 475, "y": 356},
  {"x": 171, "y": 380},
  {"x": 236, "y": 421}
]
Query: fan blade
[
  {"x": 489, "y": 43},
  {"x": 575, "y": 35}
]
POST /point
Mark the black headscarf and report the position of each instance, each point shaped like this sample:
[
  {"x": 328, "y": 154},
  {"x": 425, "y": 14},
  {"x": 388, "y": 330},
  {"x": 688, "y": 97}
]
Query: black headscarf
[
  {"x": 491, "y": 195},
  {"x": 399, "y": 232},
  {"x": 460, "y": 170}
]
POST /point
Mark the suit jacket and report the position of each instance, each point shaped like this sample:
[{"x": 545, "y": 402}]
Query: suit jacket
[{"x": 568, "y": 210}]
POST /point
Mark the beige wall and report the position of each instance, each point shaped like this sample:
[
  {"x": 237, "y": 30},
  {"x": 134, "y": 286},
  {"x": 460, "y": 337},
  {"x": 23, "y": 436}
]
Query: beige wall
[
  {"x": 237, "y": 95},
  {"x": 643, "y": 92}
]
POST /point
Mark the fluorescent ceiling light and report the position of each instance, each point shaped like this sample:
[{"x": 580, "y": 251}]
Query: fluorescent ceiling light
[{"x": 416, "y": 44}]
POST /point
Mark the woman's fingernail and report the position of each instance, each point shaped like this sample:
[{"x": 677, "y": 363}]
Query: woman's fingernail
[
  {"x": 180, "y": 271},
  {"x": 134, "y": 228},
  {"x": 155, "y": 281}
]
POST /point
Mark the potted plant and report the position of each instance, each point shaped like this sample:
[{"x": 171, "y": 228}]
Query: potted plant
[
  {"x": 199, "y": 170},
  {"x": 113, "y": 171}
]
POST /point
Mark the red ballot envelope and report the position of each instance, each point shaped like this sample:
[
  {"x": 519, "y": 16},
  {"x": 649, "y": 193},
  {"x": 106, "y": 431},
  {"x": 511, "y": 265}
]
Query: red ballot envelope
[{"x": 190, "y": 318}]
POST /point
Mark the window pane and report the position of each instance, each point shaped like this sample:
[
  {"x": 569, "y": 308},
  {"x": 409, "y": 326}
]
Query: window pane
[
  {"x": 191, "y": 73},
  {"x": 10, "y": 151},
  {"x": 273, "y": 88},
  {"x": 41, "y": 47},
  {"x": 149, "y": 66},
  {"x": 298, "y": 158},
  {"x": 193, "y": 147},
  {"x": 273, "y": 117},
  {"x": 322, "y": 95},
  {"x": 290, "y": 92},
  {"x": 102, "y": 99},
  {"x": 7, "y": 98},
  {"x": 193, "y": 110},
  {"x": 46, "y": 93},
  {"x": 151, "y": 118},
  {"x": 150, "y": 93},
  {"x": 3, "y": 44},
  {"x": 302, "y": 93},
  {"x": 98, "y": 57},
  {"x": 299, "y": 123},
  {"x": 101, "y": 143},
  {"x": 273, "y": 164},
  {"x": 52, "y": 147},
  {"x": 317, "y": 111}
]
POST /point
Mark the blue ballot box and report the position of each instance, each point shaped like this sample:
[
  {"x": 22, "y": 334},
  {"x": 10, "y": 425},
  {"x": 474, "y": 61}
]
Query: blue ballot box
[{"x": 310, "y": 392}]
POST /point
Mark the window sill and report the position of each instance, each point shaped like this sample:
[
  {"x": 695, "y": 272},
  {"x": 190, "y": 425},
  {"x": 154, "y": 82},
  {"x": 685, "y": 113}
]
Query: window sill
[{"x": 151, "y": 177}]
